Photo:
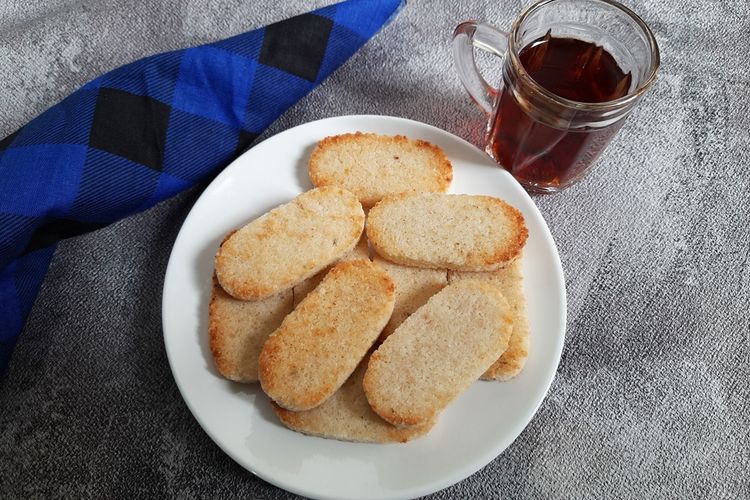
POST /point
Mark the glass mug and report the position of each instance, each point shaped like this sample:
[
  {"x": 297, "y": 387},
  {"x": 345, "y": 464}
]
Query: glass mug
[{"x": 572, "y": 72}]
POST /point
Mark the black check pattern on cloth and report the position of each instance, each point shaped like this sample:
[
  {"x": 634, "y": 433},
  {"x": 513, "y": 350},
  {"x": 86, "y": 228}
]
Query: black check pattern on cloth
[
  {"x": 152, "y": 128},
  {"x": 131, "y": 126},
  {"x": 5, "y": 143},
  {"x": 50, "y": 233},
  {"x": 297, "y": 45},
  {"x": 244, "y": 141}
]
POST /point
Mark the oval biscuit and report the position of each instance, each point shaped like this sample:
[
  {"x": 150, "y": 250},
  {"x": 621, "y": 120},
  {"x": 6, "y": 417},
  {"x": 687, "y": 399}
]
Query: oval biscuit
[
  {"x": 437, "y": 353},
  {"x": 373, "y": 166},
  {"x": 321, "y": 342},
  {"x": 290, "y": 243},
  {"x": 447, "y": 231}
]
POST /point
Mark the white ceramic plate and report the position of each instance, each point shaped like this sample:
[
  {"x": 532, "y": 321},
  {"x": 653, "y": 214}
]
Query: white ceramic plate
[{"x": 471, "y": 432}]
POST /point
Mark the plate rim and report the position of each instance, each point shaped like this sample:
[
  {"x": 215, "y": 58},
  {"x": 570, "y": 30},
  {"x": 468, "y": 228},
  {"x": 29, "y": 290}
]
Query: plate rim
[{"x": 461, "y": 472}]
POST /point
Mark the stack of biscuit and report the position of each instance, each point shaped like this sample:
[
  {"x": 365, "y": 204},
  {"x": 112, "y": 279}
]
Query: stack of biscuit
[{"x": 367, "y": 331}]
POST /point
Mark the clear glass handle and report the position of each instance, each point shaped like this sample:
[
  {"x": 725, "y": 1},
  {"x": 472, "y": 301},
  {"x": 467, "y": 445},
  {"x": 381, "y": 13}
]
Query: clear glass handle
[{"x": 483, "y": 36}]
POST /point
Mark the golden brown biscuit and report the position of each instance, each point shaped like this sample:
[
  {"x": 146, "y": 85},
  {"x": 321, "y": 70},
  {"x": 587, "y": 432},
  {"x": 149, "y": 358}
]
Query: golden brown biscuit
[
  {"x": 437, "y": 353},
  {"x": 444, "y": 231},
  {"x": 323, "y": 340},
  {"x": 290, "y": 243},
  {"x": 373, "y": 166}
]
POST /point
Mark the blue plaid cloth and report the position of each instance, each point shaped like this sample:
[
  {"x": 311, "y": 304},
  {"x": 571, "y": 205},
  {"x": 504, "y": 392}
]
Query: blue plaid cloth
[{"x": 150, "y": 129}]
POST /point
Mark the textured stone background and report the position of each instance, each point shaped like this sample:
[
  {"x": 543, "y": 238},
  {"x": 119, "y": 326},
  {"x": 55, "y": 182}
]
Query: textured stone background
[{"x": 651, "y": 397}]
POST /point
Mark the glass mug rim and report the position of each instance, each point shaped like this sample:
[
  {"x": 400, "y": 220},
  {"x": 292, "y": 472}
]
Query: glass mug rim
[{"x": 620, "y": 102}]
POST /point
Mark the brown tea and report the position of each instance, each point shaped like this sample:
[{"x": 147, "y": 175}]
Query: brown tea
[{"x": 541, "y": 155}]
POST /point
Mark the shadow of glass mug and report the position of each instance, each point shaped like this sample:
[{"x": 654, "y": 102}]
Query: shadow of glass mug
[{"x": 572, "y": 71}]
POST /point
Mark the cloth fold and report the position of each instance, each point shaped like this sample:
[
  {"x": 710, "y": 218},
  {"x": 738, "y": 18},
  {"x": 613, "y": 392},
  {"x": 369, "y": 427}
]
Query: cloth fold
[{"x": 152, "y": 128}]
